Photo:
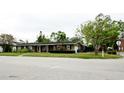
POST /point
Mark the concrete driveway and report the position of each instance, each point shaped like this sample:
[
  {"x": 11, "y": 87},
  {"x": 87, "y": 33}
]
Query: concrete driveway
[
  {"x": 41, "y": 68},
  {"x": 121, "y": 53}
]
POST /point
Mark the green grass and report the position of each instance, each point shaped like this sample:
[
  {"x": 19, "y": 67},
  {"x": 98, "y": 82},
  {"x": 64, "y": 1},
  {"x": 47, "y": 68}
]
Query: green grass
[
  {"x": 62, "y": 55},
  {"x": 10, "y": 54},
  {"x": 79, "y": 55}
]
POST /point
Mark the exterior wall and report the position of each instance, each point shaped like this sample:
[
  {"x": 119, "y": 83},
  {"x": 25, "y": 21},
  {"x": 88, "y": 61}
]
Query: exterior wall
[
  {"x": 1, "y": 49},
  {"x": 122, "y": 45},
  {"x": 14, "y": 49},
  {"x": 68, "y": 47},
  {"x": 72, "y": 48}
]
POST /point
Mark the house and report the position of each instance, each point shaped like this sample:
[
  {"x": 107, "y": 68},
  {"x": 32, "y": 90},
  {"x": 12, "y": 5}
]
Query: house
[
  {"x": 51, "y": 47},
  {"x": 66, "y": 47}
]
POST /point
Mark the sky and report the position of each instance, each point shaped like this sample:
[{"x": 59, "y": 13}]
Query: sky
[{"x": 24, "y": 19}]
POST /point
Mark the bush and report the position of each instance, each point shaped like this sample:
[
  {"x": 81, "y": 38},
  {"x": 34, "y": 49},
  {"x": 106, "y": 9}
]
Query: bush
[
  {"x": 7, "y": 48},
  {"x": 112, "y": 52},
  {"x": 25, "y": 50}
]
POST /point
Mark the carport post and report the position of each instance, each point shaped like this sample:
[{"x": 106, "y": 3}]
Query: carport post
[
  {"x": 39, "y": 48},
  {"x": 47, "y": 48}
]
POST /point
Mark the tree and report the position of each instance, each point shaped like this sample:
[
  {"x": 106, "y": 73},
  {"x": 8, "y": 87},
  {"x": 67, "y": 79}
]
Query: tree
[
  {"x": 59, "y": 36},
  {"x": 76, "y": 39},
  {"x": 7, "y": 40},
  {"x": 42, "y": 38},
  {"x": 100, "y": 32},
  {"x": 121, "y": 26}
]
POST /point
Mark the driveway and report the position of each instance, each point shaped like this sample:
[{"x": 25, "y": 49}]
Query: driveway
[
  {"x": 121, "y": 53},
  {"x": 44, "y": 68}
]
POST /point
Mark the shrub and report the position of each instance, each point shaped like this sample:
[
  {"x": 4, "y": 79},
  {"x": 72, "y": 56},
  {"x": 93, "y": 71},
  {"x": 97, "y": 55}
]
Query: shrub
[
  {"x": 112, "y": 52},
  {"x": 25, "y": 50},
  {"x": 7, "y": 48}
]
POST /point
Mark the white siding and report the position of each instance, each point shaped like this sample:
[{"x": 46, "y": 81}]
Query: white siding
[
  {"x": 1, "y": 49},
  {"x": 14, "y": 49}
]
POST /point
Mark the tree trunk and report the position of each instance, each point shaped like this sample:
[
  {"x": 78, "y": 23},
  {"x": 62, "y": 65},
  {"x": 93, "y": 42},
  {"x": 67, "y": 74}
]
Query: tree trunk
[{"x": 96, "y": 50}]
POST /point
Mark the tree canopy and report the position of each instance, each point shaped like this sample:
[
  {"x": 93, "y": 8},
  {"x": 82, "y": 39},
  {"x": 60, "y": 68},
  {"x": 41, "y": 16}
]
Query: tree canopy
[
  {"x": 42, "y": 39},
  {"x": 7, "y": 38},
  {"x": 59, "y": 36},
  {"x": 102, "y": 31}
]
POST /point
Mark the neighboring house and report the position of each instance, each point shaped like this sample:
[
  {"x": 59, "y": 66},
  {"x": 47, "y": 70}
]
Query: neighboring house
[
  {"x": 1, "y": 48},
  {"x": 122, "y": 45}
]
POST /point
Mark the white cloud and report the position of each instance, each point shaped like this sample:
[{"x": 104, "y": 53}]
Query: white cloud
[{"x": 25, "y": 18}]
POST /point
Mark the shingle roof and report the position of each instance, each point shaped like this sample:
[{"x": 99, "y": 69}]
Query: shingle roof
[
  {"x": 1, "y": 43},
  {"x": 42, "y": 44}
]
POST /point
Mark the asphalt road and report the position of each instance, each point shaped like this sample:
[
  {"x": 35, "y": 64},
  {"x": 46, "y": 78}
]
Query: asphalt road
[{"x": 41, "y": 68}]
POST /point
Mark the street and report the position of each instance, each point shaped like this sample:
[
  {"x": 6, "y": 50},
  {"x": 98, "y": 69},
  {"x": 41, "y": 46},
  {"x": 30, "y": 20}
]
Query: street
[{"x": 44, "y": 68}]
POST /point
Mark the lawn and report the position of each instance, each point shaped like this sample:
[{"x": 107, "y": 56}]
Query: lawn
[
  {"x": 10, "y": 54},
  {"x": 62, "y": 55},
  {"x": 79, "y": 55}
]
